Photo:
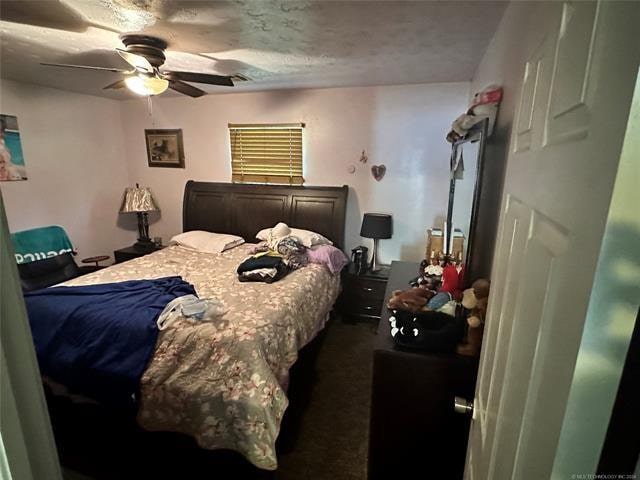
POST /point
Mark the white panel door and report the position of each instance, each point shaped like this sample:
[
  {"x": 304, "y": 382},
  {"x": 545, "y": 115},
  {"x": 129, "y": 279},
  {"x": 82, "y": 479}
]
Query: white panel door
[{"x": 578, "y": 79}]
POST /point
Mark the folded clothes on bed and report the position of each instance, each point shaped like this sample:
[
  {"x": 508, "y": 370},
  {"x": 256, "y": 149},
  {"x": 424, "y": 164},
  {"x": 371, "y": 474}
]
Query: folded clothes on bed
[
  {"x": 270, "y": 272},
  {"x": 262, "y": 268},
  {"x": 293, "y": 253},
  {"x": 259, "y": 261},
  {"x": 272, "y": 261},
  {"x": 98, "y": 339}
]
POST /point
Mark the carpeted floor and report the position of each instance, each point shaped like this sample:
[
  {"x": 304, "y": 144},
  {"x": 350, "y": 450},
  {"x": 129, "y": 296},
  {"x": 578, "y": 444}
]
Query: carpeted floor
[{"x": 330, "y": 440}]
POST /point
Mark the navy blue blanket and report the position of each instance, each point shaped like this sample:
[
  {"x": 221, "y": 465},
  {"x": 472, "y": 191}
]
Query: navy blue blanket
[{"x": 98, "y": 339}]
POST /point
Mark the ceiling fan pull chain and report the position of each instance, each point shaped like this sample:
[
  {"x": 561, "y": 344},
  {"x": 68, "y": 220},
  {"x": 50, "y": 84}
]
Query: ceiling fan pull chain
[{"x": 150, "y": 109}]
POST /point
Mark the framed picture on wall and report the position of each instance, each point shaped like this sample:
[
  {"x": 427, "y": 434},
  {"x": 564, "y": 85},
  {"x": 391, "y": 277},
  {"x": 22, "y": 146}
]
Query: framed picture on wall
[
  {"x": 11, "y": 159},
  {"x": 164, "y": 148}
]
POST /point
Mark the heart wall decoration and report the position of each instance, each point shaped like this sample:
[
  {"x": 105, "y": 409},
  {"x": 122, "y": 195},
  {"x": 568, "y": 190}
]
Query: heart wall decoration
[{"x": 378, "y": 172}]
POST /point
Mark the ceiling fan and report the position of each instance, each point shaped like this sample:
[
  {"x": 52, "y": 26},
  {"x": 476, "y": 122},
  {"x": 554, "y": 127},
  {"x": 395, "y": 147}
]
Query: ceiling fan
[{"x": 145, "y": 54}]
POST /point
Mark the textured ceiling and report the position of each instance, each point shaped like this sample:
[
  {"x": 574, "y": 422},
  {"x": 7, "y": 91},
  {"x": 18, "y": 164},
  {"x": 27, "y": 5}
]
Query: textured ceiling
[{"x": 276, "y": 43}]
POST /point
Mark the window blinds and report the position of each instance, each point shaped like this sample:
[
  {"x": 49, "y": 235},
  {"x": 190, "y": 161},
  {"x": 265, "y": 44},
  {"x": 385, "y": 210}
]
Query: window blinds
[{"x": 269, "y": 153}]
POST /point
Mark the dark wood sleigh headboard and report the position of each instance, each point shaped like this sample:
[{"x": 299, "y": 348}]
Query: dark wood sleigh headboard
[{"x": 245, "y": 209}]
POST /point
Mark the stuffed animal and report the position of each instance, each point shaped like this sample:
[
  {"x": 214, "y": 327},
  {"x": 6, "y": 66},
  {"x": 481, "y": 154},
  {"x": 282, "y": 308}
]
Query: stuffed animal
[
  {"x": 430, "y": 274},
  {"x": 450, "y": 281},
  {"x": 484, "y": 105},
  {"x": 412, "y": 300},
  {"x": 475, "y": 300}
]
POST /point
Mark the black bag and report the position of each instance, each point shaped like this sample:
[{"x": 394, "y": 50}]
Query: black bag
[{"x": 428, "y": 331}]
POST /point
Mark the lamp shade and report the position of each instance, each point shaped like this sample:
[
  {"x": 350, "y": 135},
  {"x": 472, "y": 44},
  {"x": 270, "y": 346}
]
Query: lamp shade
[
  {"x": 145, "y": 85},
  {"x": 138, "y": 199},
  {"x": 376, "y": 225}
]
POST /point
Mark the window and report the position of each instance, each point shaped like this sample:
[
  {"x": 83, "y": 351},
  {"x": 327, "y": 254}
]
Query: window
[{"x": 270, "y": 153}]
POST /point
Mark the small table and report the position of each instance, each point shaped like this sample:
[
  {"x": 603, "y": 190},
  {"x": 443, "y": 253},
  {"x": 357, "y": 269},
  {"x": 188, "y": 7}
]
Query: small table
[
  {"x": 363, "y": 295},
  {"x": 97, "y": 259},
  {"x": 135, "y": 251}
]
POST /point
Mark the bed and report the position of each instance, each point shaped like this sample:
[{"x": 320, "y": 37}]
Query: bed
[{"x": 224, "y": 383}]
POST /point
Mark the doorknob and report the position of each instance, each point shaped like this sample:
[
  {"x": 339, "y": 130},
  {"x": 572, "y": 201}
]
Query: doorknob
[{"x": 462, "y": 405}]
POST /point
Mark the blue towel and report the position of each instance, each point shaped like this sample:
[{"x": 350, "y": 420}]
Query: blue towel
[{"x": 98, "y": 339}]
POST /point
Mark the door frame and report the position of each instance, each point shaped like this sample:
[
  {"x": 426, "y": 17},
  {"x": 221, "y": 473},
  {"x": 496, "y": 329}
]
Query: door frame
[{"x": 26, "y": 434}]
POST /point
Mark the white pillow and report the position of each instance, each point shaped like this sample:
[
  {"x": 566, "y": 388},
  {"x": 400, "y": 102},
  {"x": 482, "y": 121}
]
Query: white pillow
[
  {"x": 206, "y": 241},
  {"x": 306, "y": 237}
]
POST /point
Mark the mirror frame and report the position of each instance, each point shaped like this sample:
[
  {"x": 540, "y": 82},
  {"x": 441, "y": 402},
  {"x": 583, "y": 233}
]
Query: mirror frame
[{"x": 477, "y": 133}]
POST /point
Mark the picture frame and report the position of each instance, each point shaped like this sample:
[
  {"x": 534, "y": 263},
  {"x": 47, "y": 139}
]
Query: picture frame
[
  {"x": 164, "y": 148},
  {"x": 12, "y": 167}
]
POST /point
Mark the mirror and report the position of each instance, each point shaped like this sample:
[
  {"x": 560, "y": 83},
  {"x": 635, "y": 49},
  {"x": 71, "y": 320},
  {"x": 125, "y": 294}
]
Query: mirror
[{"x": 464, "y": 191}]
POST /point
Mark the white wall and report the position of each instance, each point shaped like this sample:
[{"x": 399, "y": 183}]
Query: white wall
[
  {"x": 81, "y": 151},
  {"x": 501, "y": 65},
  {"x": 75, "y": 162},
  {"x": 401, "y": 126}
]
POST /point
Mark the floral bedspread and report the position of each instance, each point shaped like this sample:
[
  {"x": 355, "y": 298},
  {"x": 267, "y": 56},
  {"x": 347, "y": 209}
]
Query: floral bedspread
[{"x": 224, "y": 382}]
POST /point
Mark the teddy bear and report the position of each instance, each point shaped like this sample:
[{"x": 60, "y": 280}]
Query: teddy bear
[
  {"x": 413, "y": 299},
  {"x": 475, "y": 300}
]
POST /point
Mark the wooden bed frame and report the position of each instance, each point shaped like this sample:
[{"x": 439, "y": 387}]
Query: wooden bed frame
[
  {"x": 100, "y": 441},
  {"x": 245, "y": 209}
]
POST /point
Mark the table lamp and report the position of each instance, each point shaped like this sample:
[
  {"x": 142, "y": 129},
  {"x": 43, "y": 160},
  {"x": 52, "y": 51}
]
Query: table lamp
[
  {"x": 376, "y": 226},
  {"x": 140, "y": 200}
]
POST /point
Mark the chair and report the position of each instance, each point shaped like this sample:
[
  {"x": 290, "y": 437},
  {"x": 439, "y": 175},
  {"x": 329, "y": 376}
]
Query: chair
[
  {"x": 45, "y": 257},
  {"x": 48, "y": 271}
]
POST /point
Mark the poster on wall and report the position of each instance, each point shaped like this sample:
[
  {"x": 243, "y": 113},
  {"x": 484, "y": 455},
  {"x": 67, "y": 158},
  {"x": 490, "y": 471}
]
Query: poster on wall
[{"x": 11, "y": 159}]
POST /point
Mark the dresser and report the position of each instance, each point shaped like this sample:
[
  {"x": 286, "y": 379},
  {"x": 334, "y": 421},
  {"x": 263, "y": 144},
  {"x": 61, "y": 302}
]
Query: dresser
[
  {"x": 414, "y": 431},
  {"x": 363, "y": 294}
]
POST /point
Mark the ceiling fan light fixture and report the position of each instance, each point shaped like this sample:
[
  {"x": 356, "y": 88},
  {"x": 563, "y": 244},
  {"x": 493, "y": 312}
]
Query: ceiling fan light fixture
[
  {"x": 146, "y": 55},
  {"x": 143, "y": 85}
]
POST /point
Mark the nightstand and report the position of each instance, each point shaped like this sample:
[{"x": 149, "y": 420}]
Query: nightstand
[
  {"x": 129, "y": 253},
  {"x": 363, "y": 295}
]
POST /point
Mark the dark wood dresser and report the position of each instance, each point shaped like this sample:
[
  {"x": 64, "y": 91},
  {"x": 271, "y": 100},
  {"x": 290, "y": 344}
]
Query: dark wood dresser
[
  {"x": 363, "y": 295},
  {"x": 414, "y": 431}
]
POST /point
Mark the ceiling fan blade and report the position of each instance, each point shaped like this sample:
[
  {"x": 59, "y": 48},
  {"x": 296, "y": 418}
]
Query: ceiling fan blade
[
  {"x": 186, "y": 89},
  {"x": 200, "y": 78},
  {"x": 86, "y": 67},
  {"x": 115, "y": 85},
  {"x": 52, "y": 14},
  {"x": 137, "y": 61}
]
